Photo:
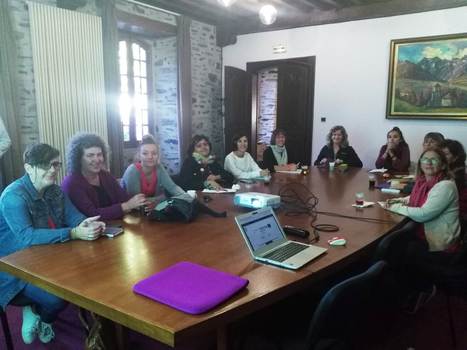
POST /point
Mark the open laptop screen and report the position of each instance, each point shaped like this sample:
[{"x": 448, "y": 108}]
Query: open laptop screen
[{"x": 262, "y": 231}]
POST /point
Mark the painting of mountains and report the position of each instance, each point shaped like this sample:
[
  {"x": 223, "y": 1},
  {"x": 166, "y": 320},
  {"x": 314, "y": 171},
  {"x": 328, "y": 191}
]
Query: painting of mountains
[{"x": 428, "y": 78}]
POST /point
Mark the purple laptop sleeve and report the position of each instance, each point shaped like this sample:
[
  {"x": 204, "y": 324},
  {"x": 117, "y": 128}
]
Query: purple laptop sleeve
[{"x": 189, "y": 287}]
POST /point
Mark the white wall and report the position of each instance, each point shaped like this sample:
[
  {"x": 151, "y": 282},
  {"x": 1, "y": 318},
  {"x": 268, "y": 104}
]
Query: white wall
[{"x": 352, "y": 61}]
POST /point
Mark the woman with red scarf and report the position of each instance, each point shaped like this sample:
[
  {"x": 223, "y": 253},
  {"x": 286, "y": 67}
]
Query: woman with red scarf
[
  {"x": 432, "y": 237},
  {"x": 148, "y": 176},
  {"x": 433, "y": 202}
]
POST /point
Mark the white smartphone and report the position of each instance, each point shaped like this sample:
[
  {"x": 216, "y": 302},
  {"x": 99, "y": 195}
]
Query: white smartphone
[{"x": 112, "y": 231}]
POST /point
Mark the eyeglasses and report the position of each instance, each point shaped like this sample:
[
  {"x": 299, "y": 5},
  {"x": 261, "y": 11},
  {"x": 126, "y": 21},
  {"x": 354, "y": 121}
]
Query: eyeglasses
[
  {"x": 434, "y": 161},
  {"x": 56, "y": 165}
]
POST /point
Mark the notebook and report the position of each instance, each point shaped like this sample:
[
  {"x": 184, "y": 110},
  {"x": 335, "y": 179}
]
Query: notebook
[
  {"x": 190, "y": 287},
  {"x": 267, "y": 242}
]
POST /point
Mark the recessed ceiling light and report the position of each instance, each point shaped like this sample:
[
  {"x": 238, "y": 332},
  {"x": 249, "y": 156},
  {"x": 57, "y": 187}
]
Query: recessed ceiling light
[
  {"x": 268, "y": 14},
  {"x": 226, "y": 3}
]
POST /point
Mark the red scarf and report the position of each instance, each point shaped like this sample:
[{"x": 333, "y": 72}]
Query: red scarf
[
  {"x": 147, "y": 187},
  {"x": 51, "y": 223},
  {"x": 419, "y": 196}
]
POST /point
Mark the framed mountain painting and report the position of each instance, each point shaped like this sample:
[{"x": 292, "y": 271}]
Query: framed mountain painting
[{"x": 428, "y": 78}]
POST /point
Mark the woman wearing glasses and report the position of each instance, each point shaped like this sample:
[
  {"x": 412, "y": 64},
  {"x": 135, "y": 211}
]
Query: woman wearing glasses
[
  {"x": 35, "y": 211},
  {"x": 433, "y": 202},
  {"x": 433, "y": 237},
  {"x": 90, "y": 186}
]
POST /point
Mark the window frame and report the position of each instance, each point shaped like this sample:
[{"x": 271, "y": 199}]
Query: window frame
[{"x": 130, "y": 39}]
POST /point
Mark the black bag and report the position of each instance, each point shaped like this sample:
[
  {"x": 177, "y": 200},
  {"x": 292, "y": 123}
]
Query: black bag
[{"x": 179, "y": 209}]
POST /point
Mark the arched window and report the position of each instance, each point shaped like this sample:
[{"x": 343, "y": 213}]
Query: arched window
[{"x": 134, "y": 101}]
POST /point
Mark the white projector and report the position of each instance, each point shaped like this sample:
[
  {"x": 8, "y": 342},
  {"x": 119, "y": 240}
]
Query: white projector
[{"x": 257, "y": 200}]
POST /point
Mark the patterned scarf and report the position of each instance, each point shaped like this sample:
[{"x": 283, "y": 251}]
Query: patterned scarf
[
  {"x": 202, "y": 159},
  {"x": 280, "y": 153}
]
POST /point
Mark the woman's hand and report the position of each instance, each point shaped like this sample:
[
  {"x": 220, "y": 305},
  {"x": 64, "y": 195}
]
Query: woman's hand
[
  {"x": 213, "y": 177},
  {"x": 214, "y": 185},
  {"x": 323, "y": 161},
  {"x": 292, "y": 167},
  {"x": 88, "y": 230},
  {"x": 264, "y": 172},
  {"x": 338, "y": 161},
  {"x": 136, "y": 201},
  {"x": 392, "y": 201}
]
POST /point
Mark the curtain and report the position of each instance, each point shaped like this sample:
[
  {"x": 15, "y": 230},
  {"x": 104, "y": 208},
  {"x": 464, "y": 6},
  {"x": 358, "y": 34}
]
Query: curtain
[
  {"x": 112, "y": 84},
  {"x": 12, "y": 163},
  {"x": 184, "y": 83}
]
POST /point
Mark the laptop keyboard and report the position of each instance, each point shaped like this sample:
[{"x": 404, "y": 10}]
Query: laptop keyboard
[{"x": 283, "y": 253}]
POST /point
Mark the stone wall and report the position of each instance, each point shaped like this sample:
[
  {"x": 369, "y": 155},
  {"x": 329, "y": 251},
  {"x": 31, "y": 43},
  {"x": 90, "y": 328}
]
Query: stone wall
[
  {"x": 27, "y": 124},
  {"x": 206, "y": 81},
  {"x": 206, "y": 61},
  {"x": 267, "y": 104},
  {"x": 165, "y": 71}
]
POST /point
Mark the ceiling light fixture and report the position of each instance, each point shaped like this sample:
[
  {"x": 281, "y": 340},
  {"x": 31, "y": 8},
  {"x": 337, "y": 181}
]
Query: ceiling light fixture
[
  {"x": 226, "y": 3},
  {"x": 268, "y": 14}
]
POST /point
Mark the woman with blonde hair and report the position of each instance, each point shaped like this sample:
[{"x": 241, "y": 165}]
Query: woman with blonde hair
[
  {"x": 338, "y": 149},
  {"x": 147, "y": 175}
]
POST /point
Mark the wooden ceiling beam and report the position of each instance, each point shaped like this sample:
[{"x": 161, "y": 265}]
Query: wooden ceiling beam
[{"x": 353, "y": 13}]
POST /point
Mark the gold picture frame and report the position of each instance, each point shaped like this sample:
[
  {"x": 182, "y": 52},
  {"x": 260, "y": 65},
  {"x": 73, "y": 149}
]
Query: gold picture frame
[{"x": 428, "y": 78}]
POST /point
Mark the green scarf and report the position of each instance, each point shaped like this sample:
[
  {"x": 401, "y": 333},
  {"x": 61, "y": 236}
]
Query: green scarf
[
  {"x": 280, "y": 153},
  {"x": 202, "y": 159}
]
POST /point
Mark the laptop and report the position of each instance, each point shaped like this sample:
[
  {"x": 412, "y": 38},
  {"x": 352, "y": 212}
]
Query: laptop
[{"x": 267, "y": 242}]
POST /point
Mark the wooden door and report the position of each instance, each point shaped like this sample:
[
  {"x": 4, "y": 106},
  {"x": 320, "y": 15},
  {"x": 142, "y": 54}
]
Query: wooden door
[
  {"x": 237, "y": 104},
  {"x": 295, "y": 107}
]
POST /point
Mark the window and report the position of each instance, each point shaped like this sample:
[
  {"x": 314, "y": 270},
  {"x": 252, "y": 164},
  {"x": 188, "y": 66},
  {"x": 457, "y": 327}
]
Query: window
[{"x": 134, "y": 91}]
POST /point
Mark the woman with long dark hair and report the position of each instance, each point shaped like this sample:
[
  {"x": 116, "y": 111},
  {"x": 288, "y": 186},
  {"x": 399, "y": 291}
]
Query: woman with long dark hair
[
  {"x": 395, "y": 154},
  {"x": 240, "y": 163},
  {"x": 276, "y": 157}
]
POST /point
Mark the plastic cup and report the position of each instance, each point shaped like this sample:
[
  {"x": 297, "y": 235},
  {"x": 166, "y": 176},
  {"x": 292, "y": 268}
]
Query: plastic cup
[
  {"x": 359, "y": 198},
  {"x": 331, "y": 166},
  {"x": 371, "y": 181}
]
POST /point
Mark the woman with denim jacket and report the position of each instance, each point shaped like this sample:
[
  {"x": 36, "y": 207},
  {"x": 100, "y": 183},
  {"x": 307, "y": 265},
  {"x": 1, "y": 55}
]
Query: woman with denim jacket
[{"x": 35, "y": 211}]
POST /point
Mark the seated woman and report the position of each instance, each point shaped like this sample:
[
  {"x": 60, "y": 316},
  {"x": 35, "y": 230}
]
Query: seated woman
[
  {"x": 418, "y": 252},
  {"x": 35, "y": 211},
  {"x": 148, "y": 176},
  {"x": 338, "y": 150},
  {"x": 240, "y": 163},
  {"x": 395, "y": 154},
  {"x": 455, "y": 155},
  {"x": 91, "y": 188},
  {"x": 200, "y": 170},
  {"x": 432, "y": 140},
  {"x": 275, "y": 157}
]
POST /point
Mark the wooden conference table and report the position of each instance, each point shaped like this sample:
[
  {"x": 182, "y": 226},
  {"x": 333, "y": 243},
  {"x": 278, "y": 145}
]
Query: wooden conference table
[{"x": 99, "y": 275}]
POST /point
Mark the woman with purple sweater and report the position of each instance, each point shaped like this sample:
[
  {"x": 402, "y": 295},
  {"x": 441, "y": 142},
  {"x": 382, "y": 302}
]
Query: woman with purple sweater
[
  {"x": 395, "y": 154},
  {"x": 91, "y": 188}
]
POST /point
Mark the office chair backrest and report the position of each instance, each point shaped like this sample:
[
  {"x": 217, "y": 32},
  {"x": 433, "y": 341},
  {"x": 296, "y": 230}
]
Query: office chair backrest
[{"x": 344, "y": 305}]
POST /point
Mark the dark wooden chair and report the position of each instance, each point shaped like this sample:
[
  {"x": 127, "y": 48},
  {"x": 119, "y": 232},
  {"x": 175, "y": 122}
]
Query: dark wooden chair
[
  {"x": 336, "y": 319},
  {"x": 6, "y": 330}
]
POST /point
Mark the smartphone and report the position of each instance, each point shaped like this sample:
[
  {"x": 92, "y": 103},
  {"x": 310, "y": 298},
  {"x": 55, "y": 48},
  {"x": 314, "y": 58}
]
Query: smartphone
[{"x": 113, "y": 231}]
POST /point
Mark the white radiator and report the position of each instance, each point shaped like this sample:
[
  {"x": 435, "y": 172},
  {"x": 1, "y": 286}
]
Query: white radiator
[{"x": 68, "y": 72}]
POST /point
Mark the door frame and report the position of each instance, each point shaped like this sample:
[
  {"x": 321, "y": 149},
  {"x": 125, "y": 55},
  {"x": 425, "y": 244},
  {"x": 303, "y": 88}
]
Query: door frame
[{"x": 254, "y": 67}]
